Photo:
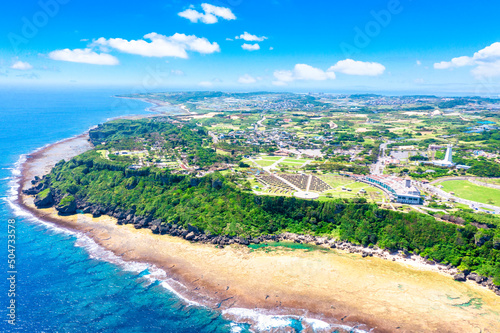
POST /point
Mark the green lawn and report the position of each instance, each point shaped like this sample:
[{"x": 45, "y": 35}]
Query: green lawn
[
  {"x": 264, "y": 163},
  {"x": 466, "y": 190},
  {"x": 271, "y": 158},
  {"x": 291, "y": 164},
  {"x": 295, "y": 160}
]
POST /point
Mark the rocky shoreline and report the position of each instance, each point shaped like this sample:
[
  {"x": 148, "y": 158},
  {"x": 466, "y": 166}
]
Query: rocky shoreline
[{"x": 67, "y": 207}]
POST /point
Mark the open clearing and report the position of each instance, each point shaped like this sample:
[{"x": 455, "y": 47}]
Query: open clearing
[{"x": 466, "y": 190}]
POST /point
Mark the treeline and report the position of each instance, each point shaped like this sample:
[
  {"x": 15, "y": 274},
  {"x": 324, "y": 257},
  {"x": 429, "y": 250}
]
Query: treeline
[{"x": 214, "y": 205}]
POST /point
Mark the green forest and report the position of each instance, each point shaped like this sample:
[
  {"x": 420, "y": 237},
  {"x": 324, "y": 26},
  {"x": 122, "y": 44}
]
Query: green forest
[{"x": 215, "y": 205}]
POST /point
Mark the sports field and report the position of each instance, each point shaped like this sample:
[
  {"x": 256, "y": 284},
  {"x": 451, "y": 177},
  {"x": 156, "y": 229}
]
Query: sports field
[{"x": 466, "y": 190}]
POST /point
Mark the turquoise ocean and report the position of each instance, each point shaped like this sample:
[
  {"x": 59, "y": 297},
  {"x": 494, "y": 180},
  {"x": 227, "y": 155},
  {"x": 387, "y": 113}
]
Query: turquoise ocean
[{"x": 66, "y": 282}]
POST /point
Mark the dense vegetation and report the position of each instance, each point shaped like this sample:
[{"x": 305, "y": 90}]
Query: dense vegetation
[{"x": 215, "y": 205}]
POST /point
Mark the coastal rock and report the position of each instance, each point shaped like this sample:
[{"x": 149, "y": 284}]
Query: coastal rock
[
  {"x": 67, "y": 206},
  {"x": 96, "y": 212},
  {"x": 87, "y": 210},
  {"x": 459, "y": 277},
  {"x": 255, "y": 241},
  {"x": 190, "y": 236},
  {"x": 476, "y": 277},
  {"x": 44, "y": 199},
  {"x": 192, "y": 229},
  {"x": 155, "y": 229}
]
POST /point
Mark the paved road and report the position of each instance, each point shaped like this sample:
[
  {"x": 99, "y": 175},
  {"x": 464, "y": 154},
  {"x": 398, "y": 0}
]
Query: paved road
[
  {"x": 214, "y": 136},
  {"x": 473, "y": 204},
  {"x": 377, "y": 168}
]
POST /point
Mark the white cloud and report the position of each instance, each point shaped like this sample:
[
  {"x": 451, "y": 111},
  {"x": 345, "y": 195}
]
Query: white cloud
[
  {"x": 455, "y": 62},
  {"x": 177, "y": 72},
  {"x": 352, "y": 67},
  {"x": 487, "y": 62},
  {"x": 302, "y": 72},
  {"x": 86, "y": 56},
  {"x": 250, "y": 47},
  {"x": 206, "y": 84},
  {"x": 210, "y": 15},
  {"x": 419, "y": 63},
  {"x": 160, "y": 45},
  {"x": 21, "y": 65},
  {"x": 250, "y": 38},
  {"x": 271, "y": 48},
  {"x": 306, "y": 72},
  {"x": 247, "y": 79}
]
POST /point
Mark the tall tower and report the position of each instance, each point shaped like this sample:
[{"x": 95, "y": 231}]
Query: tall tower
[{"x": 448, "y": 158}]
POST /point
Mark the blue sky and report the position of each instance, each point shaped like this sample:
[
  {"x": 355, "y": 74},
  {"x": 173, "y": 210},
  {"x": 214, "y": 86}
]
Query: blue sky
[{"x": 441, "y": 47}]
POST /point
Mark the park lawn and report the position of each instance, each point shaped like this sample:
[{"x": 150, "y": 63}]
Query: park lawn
[
  {"x": 466, "y": 190},
  {"x": 296, "y": 160},
  {"x": 291, "y": 164},
  {"x": 264, "y": 163},
  {"x": 271, "y": 158},
  {"x": 335, "y": 180}
]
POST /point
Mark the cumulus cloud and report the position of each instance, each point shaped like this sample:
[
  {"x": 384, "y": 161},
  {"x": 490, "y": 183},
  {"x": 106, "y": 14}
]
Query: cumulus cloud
[
  {"x": 353, "y": 67},
  {"x": 86, "y": 56},
  {"x": 487, "y": 62},
  {"x": 160, "y": 45},
  {"x": 250, "y": 47},
  {"x": 302, "y": 72},
  {"x": 210, "y": 15},
  {"x": 21, "y": 65},
  {"x": 247, "y": 79},
  {"x": 250, "y": 38},
  {"x": 455, "y": 62}
]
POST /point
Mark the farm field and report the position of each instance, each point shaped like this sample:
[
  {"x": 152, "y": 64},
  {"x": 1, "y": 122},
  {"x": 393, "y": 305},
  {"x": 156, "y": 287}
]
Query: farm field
[{"x": 466, "y": 190}]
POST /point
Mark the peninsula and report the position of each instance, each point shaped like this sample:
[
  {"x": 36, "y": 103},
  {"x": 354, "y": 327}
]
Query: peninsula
[{"x": 289, "y": 203}]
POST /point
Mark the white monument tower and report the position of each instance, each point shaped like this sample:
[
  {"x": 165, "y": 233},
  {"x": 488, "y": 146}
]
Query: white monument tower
[{"x": 448, "y": 159}]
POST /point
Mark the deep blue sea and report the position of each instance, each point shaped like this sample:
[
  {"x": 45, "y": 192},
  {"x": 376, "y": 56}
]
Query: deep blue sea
[{"x": 65, "y": 282}]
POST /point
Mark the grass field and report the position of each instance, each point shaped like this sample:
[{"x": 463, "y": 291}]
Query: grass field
[
  {"x": 372, "y": 194},
  {"x": 466, "y": 190},
  {"x": 264, "y": 163},
  {"x": 291, "y": 164},
  {"x": 271, "y": 158},
  {"x": 295, "y": 160}
]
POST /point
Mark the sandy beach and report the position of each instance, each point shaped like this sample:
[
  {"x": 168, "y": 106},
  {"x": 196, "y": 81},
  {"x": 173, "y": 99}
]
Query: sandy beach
[{"x": 332, "y": 286}]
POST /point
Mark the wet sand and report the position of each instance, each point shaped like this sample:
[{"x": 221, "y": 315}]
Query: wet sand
[{"x": 329, "y": 285}]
